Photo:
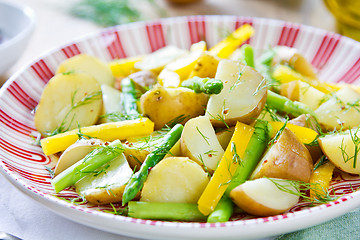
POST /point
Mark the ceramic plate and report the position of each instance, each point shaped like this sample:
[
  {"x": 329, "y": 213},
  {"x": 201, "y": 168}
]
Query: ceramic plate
[{"x": 336, "y": 59}]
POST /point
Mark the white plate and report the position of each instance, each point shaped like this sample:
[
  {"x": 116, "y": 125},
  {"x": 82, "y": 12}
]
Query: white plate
[{"x": 336, "y": 59}]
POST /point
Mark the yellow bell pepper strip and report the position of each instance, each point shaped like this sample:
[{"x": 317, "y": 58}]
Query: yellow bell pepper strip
[
  {"x": 304, "y": 134},
  {"x": 285, "y": 74},
  {"x": 224, "y": 48},
  {"x": 320, "y": 179},
  {"x": 107, "y": 132},
  {"x": 185, "y": 64},
  {"x": 124, "y": 67},
  {"x": 225, "y": 170}
]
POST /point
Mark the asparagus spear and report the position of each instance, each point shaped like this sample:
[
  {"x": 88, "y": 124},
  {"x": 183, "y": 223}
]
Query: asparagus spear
[
  {"x": 203, "y": 85},
  {"x": 248, "y": 53},
  {"x": 95, "y": 159},
  {"x": 137, "y": 180},
  {"x": 129, "y": 98},
  {"x": 165, "y": 211},
  {"x": 252, "y": 155},
  {"x": 284, "y": 104},
  {"x": 223, "y": 211}
]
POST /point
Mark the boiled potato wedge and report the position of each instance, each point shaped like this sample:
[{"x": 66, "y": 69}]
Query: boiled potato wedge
[
  {"x": 242, "y": 98},
  {"x": 68, "y": 100},
  {"x": 205, "y": 66},
  {"x": 111, "y": 102},
  {"x": 157, "y": 60},
  {"x": 199, "y": 143},
  {"x": 340, "y": 150},
  {"x": 287, "y": 158},
  {"x": 291, "y": 57},
  {"x": 75, "y": 153},
  {"x": 107, "y": 184},
  {"x": 90, "y": 65},
  {"x": 175, "y": 179},
  {"x": 340, "y": 111},
  {"x": 164, "y": 105},
  {"x": 262, "y": 197}
]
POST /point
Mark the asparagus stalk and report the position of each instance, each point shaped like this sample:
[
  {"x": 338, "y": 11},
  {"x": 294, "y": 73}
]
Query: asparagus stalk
[
  {"x": 203, "y": 85},
  {"x": 95, "y": 159},
  {"x": 137, "y": 180},
  {"x": 223, "y": 211},
  {"x": 252, "y": 155},
  {"x": 129, "y": 97},
  {"x": 284, "y": 104},
  {"x": 165, "y": 211},
  {"x": 248, "y": 53}
]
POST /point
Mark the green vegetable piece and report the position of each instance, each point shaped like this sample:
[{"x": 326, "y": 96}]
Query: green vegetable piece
[
  {"x": 129, "y": 98},
  {"x": 165, "y": 211},
  {"x": 137, "y": 180},
  {"x": 94, "y": 160},
  {"x": 284, "y": 104},
  {"x": 203, "y": 85},
  {"x": 256, "y": 147},
  {"x": 223, "y": 211},
  {"x": 248, "y": 53}
]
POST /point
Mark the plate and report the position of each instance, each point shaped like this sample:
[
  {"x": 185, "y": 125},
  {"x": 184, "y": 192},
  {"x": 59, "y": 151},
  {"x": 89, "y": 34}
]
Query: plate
[{"x": 336, "y": 59}]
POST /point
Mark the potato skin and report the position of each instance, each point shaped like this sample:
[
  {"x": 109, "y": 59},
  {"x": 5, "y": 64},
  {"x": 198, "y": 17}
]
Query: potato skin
[
  {"x": 288, "y": 158},
  {"x": 162, "y": 105}
]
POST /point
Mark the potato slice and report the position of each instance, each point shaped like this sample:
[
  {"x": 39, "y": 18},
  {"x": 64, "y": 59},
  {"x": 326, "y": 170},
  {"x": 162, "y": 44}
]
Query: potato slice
[
  {"x": 293, "y": 58},
  {"x": 165, "y": 105},
  {"x": 262, "y": 197},
  {"x": 175, "y": 179},
  {"x": 157, "y": 60},
  {"x": 242, "y": 98},
  {"x": 340, "y": 111},
  {"x": 90, "y": 65},
  {"x": 111, "y": 101},
  {"x": 340, "y": 150},
  {"x": 287, "y": 158},
  {"x": 75, "y": 152},
  {"x": 199, "y": 143},
  {"x": 68, "y": 100},
  {"x": 205, "y": 66},
  {"x": 107, "y": 184}
]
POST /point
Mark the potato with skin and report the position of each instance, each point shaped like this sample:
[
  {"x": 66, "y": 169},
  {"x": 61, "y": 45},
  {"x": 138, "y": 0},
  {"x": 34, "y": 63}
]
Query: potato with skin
[
  {"x": 67, "y": 101},
  {"x": 107, "y": 184},
  {"x": 175, "y": 179},
  {"x": 75, "y": 153},
  {"x": 262, "y": 197},
  {"x": 242, "y": 98},
  {"x": 90, "y": 65},
  {"x": 287, "y": 158},
  {"x": 199, "y": 143},
  {"x": 164, "y": 105},
  {"x": 340, "y": 150},
  {"x": 340, "y": 111}
]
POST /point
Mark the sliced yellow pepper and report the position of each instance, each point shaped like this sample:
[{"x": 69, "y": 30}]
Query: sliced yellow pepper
[
  {"x": 304, "y": 134},
  {"x": 107, "y": 132},
  {"x": 184, "y": 65},
  {"x": 225, "y": 170},
  {"x": 124, "y": 67},
  {"x": 320, "y": 179},
  {"x": 285, "y": 74},
  {"x": 226, "y": 47}
]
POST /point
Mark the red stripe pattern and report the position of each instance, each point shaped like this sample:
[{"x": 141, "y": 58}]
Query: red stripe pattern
[
  {"x": 155, "y": 36},
  {"x": 352, "y": 74},
  {"x": 197, "y": 29},
  {"x": 289, "y": 34},
  {"x": 115, "y": 47},
  {"x": 325, "y": 50},
  {"x": 71, "y": 50},
  {"x": 42, "y": 70}
]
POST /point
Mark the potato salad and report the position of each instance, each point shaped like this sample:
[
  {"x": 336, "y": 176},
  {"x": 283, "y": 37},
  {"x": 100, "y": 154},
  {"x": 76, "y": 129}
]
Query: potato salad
[{"x": 196, "y": 134}]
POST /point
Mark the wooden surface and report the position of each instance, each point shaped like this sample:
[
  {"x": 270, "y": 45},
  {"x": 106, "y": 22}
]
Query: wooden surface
[{"x": 55, "y": 26}]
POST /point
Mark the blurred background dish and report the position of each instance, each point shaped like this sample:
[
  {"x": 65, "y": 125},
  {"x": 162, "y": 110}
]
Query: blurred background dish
[{"x": 16, "y": 25}]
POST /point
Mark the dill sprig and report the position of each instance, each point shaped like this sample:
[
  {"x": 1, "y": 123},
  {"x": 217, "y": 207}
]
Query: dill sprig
[
  {"x": 118, "y": 116},
  {"x": 356, "y": 140},
  {"x": 202, "y": 135}
]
